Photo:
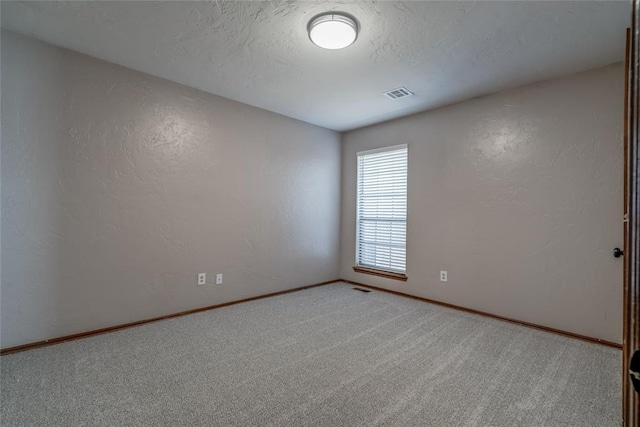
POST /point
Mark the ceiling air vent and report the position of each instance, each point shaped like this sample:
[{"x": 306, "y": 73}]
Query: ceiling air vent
[{"x": 401, "y": 92}]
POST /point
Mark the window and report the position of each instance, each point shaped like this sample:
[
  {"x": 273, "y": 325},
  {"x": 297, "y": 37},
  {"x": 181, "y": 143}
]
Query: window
[{"x": 381, "y": 218}]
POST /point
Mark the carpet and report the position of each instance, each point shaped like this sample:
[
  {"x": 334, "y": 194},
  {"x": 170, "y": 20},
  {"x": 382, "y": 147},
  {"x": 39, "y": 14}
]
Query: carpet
[{"x": 326, "y": 356}]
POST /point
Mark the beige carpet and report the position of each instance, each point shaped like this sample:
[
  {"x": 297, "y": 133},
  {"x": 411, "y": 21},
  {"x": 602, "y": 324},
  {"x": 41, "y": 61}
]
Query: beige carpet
[{"x": 327, "y": 356}]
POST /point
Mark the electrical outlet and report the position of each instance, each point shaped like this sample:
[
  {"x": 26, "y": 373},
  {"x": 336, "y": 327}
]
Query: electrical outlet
[
  {"x": 443, "y": 276},
  {"x": 202, "y": 279},
  {"x": 219, "y": 279}
]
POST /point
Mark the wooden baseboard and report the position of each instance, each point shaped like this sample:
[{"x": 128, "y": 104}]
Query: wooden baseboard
[
  {"x": 94, "y": 332},
  {"x": 505, "y": 319}
]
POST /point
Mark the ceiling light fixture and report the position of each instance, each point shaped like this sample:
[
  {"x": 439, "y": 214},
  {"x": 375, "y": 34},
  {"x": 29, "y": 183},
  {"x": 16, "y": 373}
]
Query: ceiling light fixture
[{"x": 333, "y": 30}]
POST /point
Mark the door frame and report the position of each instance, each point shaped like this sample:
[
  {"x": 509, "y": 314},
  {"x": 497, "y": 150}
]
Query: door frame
[{"x": 631, "y": 310}]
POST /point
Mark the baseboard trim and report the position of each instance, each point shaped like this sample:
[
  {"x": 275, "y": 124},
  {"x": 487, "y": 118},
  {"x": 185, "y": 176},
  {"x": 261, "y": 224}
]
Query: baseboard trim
[
  {"x": 94, "y": 332},
  {"x": 495, "y": 316}
]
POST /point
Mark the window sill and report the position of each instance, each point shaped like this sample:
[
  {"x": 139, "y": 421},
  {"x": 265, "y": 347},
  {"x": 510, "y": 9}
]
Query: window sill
[{"x": 380, "y": 273}]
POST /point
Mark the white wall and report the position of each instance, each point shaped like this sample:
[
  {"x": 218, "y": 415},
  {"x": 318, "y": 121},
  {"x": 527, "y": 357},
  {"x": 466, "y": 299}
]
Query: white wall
[
  {"x": 118, "y": 188},
  {"x": 518, "y": 195}
]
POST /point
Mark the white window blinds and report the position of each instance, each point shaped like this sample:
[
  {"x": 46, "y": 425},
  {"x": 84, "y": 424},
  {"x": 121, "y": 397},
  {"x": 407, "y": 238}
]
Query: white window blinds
[{"x": 382, "y": 209}]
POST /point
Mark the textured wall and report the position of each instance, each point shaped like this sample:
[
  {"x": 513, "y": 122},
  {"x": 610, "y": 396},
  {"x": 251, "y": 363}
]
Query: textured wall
[
  {"x": 118, "y": 188},
  {"x": 518, "y": 196}
]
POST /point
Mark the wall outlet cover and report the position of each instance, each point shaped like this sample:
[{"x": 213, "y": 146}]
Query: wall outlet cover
[{"x": 443, "y": 276}]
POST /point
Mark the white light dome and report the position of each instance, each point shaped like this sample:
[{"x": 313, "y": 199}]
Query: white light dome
[{"x": 333, "y": 30}]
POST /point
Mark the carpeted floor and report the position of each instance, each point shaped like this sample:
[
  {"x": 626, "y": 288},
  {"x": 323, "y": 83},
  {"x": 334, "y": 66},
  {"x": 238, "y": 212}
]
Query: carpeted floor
[{"x": 327, "y": 356}]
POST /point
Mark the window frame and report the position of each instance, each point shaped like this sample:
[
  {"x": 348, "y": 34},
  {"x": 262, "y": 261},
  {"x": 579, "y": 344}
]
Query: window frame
[{"x": 359, "y": 268}]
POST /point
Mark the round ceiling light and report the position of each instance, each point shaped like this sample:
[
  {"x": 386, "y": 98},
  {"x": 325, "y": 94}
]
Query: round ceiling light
[{"x": 333, "y": 30}]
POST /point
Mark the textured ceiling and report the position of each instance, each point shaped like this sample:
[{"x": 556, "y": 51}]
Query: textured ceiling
[{"x": 259, "y": 52}]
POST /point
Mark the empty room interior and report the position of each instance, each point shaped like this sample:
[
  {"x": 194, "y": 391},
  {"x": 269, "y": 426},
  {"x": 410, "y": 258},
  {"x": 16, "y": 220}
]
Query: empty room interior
[{"x": 312, "y": 213}]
